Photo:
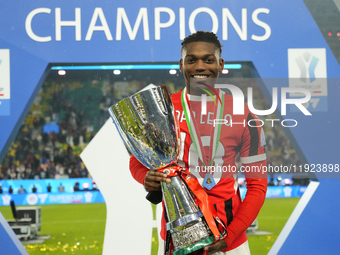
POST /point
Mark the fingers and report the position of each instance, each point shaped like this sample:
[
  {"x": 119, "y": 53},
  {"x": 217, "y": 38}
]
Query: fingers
[
  {"x": 152, "y": 186},
  {"x": 215, "y": 247},
  {"x": 152, "y": 180},
  {"x": 158, "y": 176}
]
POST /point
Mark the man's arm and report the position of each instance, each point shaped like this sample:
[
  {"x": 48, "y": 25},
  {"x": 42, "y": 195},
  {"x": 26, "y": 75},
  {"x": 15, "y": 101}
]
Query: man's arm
[
  {"x": 148, "y": 177},
  {"x": 252, "y": 156},
  {"x": 248, "y": 209},
  {"x": 251, "y": 205}
]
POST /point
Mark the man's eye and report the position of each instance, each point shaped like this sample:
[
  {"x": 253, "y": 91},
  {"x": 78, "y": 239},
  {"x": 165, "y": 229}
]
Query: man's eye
[
  {"x": 209, "y": 60},
  {"x": 190, "y": 60}
]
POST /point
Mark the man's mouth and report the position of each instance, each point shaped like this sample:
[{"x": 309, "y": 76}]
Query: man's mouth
[{"x": 200, "y": 76}]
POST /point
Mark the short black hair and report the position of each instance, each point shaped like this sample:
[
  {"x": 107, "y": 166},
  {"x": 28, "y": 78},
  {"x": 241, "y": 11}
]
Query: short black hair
[{"x": 202, "y": 36}]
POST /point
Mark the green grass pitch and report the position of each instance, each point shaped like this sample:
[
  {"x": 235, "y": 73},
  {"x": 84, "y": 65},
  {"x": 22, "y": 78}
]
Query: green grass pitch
[
  {"x": 79, "y": 228},
  {"x": 272, "y": 218},
  {"x": 74, "y": 229}
]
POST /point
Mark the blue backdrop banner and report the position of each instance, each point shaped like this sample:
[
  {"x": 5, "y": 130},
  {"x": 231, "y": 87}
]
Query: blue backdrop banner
[
  {"x": 41, "y": 185},
  {"x": 52, "y": 198}
]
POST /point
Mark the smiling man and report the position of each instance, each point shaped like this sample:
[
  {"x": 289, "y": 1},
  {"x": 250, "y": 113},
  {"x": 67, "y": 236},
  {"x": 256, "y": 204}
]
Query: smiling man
[
  {"x": 214, "y": 145},
  {"x": 201, "y": 62}
]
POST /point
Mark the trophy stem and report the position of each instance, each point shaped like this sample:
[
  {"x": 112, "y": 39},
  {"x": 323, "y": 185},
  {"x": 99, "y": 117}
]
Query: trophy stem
[{"x": 188, "y": 228}]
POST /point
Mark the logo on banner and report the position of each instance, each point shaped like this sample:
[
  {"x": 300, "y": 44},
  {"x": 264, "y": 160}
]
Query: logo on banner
[
  {"x": 307, "y": 69},
  {"x": 88, "y": 197},
  {"x": 32, "y": 199},
  {"x": 1, "y": 88},
  {"x": 6, "y": 199},
  {"x": 288, "y": 191},
  {"x": 4, "y": 74},
  {"x": 4, "y": 82},
  {"x": 307, "y": 64}
]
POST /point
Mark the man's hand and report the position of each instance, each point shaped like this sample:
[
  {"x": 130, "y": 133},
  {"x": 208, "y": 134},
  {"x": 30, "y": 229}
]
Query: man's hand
[
  {"x": 215, "y": 247},
  {"x": 153, "y": 179}
]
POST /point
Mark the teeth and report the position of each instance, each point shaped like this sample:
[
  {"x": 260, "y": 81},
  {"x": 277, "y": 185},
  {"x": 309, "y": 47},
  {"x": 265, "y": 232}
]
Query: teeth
[{"x": 200, "y": 76}]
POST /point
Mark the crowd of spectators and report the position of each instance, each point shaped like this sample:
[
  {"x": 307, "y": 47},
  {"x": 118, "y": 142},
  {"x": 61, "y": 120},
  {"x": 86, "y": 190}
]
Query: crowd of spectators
[
  {"x": 63, "y": 119},
  {"x": 40, "y": 154}
]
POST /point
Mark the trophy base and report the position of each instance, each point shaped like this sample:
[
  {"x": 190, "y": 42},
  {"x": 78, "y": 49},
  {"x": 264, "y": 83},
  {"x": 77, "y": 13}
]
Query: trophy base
[
  {"x": 194, "y": 247},
  {"x": 192, "y": 237}
]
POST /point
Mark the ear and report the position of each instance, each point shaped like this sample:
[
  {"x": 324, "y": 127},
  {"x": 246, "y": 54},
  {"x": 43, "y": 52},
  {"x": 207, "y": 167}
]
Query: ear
[
  {"x": 181, "y": 65},
  {"x": 221, "y": 64}
]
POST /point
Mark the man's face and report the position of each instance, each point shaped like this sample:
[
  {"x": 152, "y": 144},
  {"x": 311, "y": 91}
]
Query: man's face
[{"x": 201, "y": 64}]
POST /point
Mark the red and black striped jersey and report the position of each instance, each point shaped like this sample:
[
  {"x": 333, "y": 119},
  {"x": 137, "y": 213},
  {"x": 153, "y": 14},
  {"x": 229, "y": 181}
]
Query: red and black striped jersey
[{"x": 241, "y": 141}]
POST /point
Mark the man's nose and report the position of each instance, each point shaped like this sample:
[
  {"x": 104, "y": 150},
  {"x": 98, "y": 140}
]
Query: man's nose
[{"x": 200, "y": 65}]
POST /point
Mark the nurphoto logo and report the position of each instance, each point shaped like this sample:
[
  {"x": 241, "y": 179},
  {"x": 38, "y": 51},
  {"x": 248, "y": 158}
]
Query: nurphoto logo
[{"x": 239, "y": 100}]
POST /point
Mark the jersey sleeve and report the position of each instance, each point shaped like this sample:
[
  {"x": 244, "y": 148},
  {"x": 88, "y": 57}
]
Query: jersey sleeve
[
  {"x": 253, "y": 159},
  {"x": 253, "y": 141},
  {"x": 138, "y": 170}
]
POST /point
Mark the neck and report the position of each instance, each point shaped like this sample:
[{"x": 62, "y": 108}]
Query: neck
[{"x": 194, "y": 91}]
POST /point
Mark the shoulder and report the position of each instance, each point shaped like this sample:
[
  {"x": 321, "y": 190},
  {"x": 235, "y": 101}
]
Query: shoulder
[
  {"x": 227, "y": 97},
  {"x": 176, "y": 97}
]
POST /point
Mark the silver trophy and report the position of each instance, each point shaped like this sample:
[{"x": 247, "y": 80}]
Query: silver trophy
[{"x": 146, "y": 123}]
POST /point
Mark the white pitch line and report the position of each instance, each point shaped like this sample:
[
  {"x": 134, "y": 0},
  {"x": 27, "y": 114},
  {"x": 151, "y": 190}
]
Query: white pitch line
[{"x": 307, "y": 195}]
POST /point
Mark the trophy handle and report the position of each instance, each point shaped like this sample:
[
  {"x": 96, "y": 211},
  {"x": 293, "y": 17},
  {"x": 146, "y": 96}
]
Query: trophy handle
[{"x": 154, "y": 197}]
